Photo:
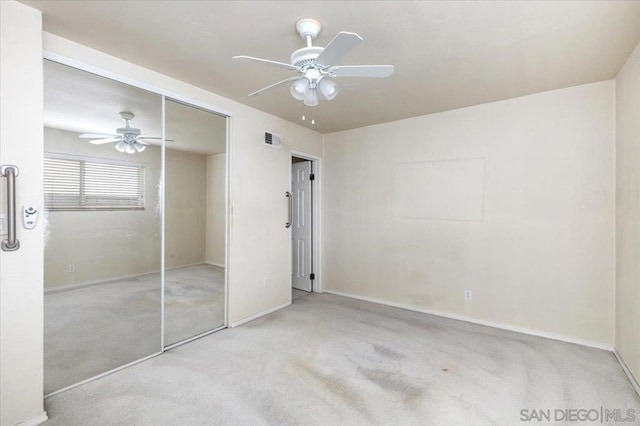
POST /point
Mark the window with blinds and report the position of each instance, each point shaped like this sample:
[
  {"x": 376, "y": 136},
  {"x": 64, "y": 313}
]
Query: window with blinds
[{"x": 78, "y": 184}]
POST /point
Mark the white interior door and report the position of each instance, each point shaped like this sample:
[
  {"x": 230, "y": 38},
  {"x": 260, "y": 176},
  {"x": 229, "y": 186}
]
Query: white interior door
[{"x": 301, "y": 225}]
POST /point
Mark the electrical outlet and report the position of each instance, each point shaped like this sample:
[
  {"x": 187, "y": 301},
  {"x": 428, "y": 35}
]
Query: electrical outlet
[
  {"x": 265, "y": 282},
  {"x": 72, "y": 268},
  {"x": 467, "y": 295}
]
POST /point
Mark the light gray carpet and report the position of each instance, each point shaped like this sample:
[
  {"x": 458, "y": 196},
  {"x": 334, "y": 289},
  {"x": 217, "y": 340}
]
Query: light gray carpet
[
  {"x": 329, "y": 360},
  {"x": 297, "y": 294},
  {"x": 91, "y": 330},
  {"x": 194, "y": 301}
]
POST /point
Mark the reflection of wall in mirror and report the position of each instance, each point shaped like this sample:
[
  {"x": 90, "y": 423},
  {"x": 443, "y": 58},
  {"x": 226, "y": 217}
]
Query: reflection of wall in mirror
[
  {"x": 185, "y": 208},
  {"x": 216, "y": 167}
]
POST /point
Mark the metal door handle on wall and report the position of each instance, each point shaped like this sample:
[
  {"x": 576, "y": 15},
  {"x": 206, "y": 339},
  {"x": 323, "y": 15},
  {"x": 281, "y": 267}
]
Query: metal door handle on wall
[
  {"x": 288, "y": 224},
  {"x": 10, "y": 172}
]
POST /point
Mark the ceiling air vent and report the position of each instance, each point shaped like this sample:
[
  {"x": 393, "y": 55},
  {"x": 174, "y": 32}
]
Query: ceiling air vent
[{"x": 271, "y": 139}]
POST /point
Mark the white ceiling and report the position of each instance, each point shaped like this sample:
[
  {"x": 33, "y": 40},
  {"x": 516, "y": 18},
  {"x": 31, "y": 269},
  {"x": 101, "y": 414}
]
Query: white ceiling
[
  {"x": 447, "y": 55},
  {"x": 81, "y": 102}
]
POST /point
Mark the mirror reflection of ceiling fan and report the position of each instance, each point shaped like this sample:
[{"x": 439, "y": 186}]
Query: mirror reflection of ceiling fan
[
  {"x": 128, "y": 139},
  {"x": 315, "y": 65}
]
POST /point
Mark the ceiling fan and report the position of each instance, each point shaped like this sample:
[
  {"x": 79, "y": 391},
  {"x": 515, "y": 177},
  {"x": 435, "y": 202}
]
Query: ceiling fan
[
  {"x": 128, "y": 138},
  {"x": 314, "y": 64}
]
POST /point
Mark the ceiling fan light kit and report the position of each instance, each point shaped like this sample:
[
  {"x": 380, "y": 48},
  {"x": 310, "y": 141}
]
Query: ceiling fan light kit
[
  {"x": 130, "y": 148},
  {"x": 328, "y": 88},
  {"x": 313, "y": 63},
  {"x": 299, "y": 88}
]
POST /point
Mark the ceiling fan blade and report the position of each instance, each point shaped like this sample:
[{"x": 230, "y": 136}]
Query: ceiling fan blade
[
  {"x": 341, "y": 44},
  {"x": 96, "y": 136},
  {"x": 153, "y": 138},
  {"x": 266, "y": 62},
  {"x": 103, "y": 141},
  {"x": 376, "y": 71},
  {"x": 256, "y": 93}
]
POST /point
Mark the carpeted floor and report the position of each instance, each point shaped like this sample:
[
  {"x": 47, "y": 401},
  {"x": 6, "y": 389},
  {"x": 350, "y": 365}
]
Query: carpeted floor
[
  {"x": 93, "y": 329},
  {"x": 297, "y": 294},
  {"x": 328, "y": 360}
]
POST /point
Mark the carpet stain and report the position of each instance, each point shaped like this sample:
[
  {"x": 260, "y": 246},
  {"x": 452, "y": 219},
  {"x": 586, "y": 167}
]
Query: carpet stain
[
  {"x": 387, "y": 352},
  {"x": 394, "y": 382},
  {"x": 335, "y": 385},
  {"x": 270, "y": 411}
]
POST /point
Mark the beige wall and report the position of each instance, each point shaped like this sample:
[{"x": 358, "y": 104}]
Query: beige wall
[
  {"x": 102, "y": 244},
  {"x": 21, "y": 325},
  {"x": 185, "y": 208},
  {"x": 216, "y": 167},
  {"x": 259, "y": 179},
  {"x": 538, "y": 253},
  {"x": 628, "y": 213}
]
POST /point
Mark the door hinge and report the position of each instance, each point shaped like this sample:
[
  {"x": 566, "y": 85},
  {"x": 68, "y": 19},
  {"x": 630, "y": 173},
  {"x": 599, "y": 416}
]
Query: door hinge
[
  {"x": 312, "y": 177},
  {"x": 312, "y": 277}
]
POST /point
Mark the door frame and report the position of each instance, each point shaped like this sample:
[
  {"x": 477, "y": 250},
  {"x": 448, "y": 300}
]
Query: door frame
[{"x": 316, "y": 216}]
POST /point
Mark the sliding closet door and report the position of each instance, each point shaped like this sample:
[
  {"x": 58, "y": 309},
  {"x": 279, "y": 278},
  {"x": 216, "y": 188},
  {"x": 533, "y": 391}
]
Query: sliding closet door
[
  {"x": 195, "y": 172},
  {"x": 102, "y": 213}
]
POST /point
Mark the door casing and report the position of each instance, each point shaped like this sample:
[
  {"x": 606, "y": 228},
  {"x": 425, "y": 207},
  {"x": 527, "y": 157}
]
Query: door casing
[
  {"x": 316, "y": 215},
  {"x": 302, "y": 225}
]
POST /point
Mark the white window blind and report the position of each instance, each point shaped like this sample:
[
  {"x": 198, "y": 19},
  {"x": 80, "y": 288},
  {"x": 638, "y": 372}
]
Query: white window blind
[{"x": 79, "y": 184}]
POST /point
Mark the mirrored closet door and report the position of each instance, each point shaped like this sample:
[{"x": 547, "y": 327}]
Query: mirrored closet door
[
  {"x": 103, "y": 225},
  {"x": 195, "y": 182},
  {"x": 105, "y": 162}
]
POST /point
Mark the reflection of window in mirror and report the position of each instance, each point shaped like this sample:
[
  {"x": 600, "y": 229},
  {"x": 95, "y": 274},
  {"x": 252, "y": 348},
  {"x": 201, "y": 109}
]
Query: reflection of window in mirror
[{"x": 72, "y": 183}]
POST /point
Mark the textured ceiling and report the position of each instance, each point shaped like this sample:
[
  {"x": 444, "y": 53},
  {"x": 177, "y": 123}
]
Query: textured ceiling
[{"x": 447, "y": 55}]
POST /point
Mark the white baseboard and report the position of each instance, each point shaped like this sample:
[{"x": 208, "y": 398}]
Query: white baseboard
[
  {"x": 215, "y": 264},
  {"x": 35, "y": 421},
  {"x": 258, "y": 315},
  {"x": 522, "y": 330},
  {"x": 627, "y": 372},
  {"x": 169, "y": 268},
  {"x": 62, "y": 289}
]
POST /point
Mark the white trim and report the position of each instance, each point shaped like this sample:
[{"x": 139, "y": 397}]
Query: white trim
[
  {"x": 163, "y": 162},
  {"x": 317, "y": 216},
  {"x": 65, "y": 60},
  {"x": 35, "y": 421},
  {"x": 114, "y": 280},
  {"x": 258, "y": 315},
  {"x": 523, "y": 330},
  {"x": 184, "y": 266},
  {"x": 106, "y": 373},
  {"x": 219, "y": 265},
  {"x": 190, "y": 339},
  {"x": 65, "y": 288},
  {"x": 627, "y": 372},
  {"x": 227, "y": 219}
]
